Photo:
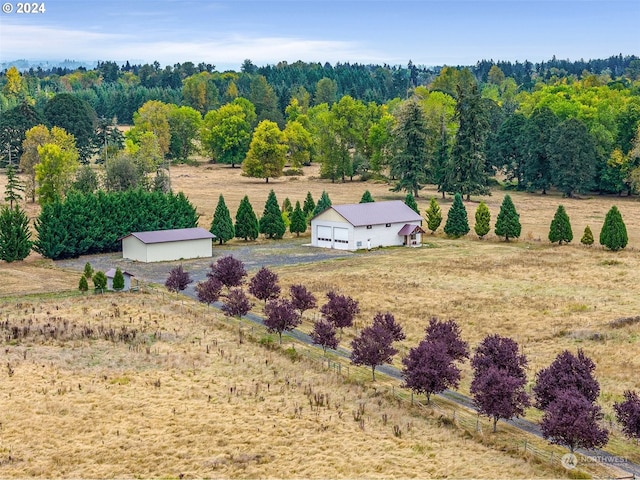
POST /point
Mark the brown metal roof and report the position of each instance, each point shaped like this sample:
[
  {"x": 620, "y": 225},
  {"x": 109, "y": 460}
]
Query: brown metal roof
[
  {"x": 377, "y": 213},
  {"x": 112, "y": 273},
  {"x": 176, "y": 235}
]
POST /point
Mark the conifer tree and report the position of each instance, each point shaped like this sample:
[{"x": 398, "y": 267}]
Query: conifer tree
[
  {"x": 118, "y": 280},
  {"x": 457, "y": 223},
  {"x": 298, "y": 221},
  {"x": 14, "y": 187},
  {"x": 587, "y": 236},
  {"x": 323, "y": 203},
  {"x": 483, "y": 220},
  {"x": 560, "y": 229},
  {"x": 15, "y": 236},
  {"x": 434, "y": 215},
  {"x": 222, "y": 225},
  {"x": 83, "y": 286},
  {"x": 88, "y": 270},
  {"x": 309, "y": 205},
  {"x": 366, "y": 197},
  {"x": 410, "y": 202},
  {"x": 247, "y": 226},
  {"x": 271, "y": 223},
  {"x": 286, "y": 206},
  {"x": 508, "y": 221},
  {"x": 614, "y": 232},
  {"x": 100, "y": 281}
]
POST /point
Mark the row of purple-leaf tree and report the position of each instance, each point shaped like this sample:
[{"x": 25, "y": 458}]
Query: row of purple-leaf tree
[{"x": 566, "y": 391}]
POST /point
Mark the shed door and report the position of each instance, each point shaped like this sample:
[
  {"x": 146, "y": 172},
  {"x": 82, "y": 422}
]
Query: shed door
[
  {"x": 324, "y": 236},
  {"x": 340, "y": 238}
]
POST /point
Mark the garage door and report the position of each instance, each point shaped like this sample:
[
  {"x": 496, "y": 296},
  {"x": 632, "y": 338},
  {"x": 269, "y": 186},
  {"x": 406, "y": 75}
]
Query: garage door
[
  {"x": 324, "y": 236},
  {"x": 341, "y": 238}
]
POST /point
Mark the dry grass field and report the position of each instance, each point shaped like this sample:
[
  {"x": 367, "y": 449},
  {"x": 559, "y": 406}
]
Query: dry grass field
[
  {"x": 134, "y": 386},
  {"x": 99, "y": 412}
]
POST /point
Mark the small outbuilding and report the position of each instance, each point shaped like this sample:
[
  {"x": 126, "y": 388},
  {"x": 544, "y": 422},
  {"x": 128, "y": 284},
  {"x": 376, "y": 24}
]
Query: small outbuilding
[
  {"x": 127, "y": 279},
  {"x": 167, "y": 245},
  {"x": 367, "y": 225}
]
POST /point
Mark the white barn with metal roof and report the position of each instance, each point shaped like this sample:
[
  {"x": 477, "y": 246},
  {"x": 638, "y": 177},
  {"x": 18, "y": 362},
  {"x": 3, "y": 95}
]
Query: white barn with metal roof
[
  {"x": 167, "y": 245},
  {"x": 367, "y": 225}
]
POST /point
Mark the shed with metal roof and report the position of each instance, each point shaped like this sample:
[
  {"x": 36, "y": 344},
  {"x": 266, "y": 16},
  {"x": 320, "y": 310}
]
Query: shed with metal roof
[
  {"x": 167, "y": 245},
  {"x": 367, "y": 225}
]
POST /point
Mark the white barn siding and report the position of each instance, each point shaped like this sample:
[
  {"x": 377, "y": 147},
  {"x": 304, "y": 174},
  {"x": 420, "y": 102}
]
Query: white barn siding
[
  {"x": 134, "y": 249},
  {"x": 380, "y": 235},
  {"x": 167, "y": 251}
]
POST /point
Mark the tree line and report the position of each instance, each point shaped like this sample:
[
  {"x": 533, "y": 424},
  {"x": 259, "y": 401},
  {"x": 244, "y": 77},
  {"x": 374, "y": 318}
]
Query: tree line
[{"x": 565, "y": 391}]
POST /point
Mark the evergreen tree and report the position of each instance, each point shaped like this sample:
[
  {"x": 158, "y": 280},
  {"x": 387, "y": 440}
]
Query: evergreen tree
[
  {"x": 441, "y": 176},
  {"x": 537, "y": 133},
  {"x": 222, "y": 225},
  {"x": 508, "y": 221},
  {"x": 15, "y": 236},
  {"x": 434, "y": 215},
  {"x": 83, "y": 286},
  {"x": 287, "y": 207},
  {"x": 118, "y": 280},
  {"x": 271, "y": 223},
  {"x": 323, "y": 203},
  {"x": 367, "y": 198},
  {"x": 410, "y": 202},
  {"x": 247, "y": 225},
  {"x": 560, "y": 229},
  {"x": 88, "y": 270},
  {"x": 483, "y": 220},
  {"x": 614, "y": 232},
  {"x": 298, "y": 221},
  {"x": 468, "y": 160},
  {"x": 457, "y": 223},
  {"x": 309, "y": 205},
  {"x": 100, "y": 281},
  {"x": 409, "y": 163},
  {"x": 13, "y": 187},
  {"x": 587, "y": 236}
]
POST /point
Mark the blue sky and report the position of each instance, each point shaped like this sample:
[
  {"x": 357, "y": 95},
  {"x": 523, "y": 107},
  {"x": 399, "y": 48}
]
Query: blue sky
[{"x": 225, "y": 33}]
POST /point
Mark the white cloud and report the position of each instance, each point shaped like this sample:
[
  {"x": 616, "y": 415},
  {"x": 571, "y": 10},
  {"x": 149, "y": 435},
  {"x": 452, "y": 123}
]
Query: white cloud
[{"x": 37, "y": 42}]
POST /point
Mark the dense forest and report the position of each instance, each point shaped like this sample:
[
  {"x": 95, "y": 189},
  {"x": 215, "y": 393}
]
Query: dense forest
[{"x": 567, "y": 125}]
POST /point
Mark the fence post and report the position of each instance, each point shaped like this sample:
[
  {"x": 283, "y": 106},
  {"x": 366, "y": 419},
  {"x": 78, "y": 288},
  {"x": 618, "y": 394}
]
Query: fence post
[
  {"x": 525, "y": 446},
  {"x": 411, "y": 397}
]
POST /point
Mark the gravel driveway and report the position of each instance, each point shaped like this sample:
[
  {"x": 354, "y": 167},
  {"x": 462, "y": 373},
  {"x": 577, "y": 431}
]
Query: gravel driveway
[{"x": 273, "y": 254}]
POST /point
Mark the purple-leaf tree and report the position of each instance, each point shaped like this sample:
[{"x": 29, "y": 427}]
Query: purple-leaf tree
[
  {"x": 177, "y": 280},
  {"x": 573, "y": 421},
  {"x": 324, "y": 333},
  {"x": 429, "y": 369},
  {"x": 236, "y": 304},
  {"x": 628, "y": 414},
  {"x": 374, "y": 345},
  {"x": 229, "y": 271},
  {"x": 567, "y": 372},
  {"x": 209, "y": 290},
  {"x": 301, "y": 298},
  {"x": 448, "y": 332},
  {"x": 499, "y": 377},
  {"x": 280, "y": 316},
  {"x": 264, "y": 285},
  {"x": 388, "y": 321},
  {"x": 340, "y": 310}
]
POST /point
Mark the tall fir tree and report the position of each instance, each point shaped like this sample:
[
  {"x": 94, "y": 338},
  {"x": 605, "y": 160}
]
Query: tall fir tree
[
  {"x": 434, "y": 215},
  {"x": 457, "y": 222},
  {"x": 483, "y": 220},
  {"x": 614, "y": 232},
  {"x": 15, "y": 236},
  {"x": 323, "y": 203},
  {"x": 309, "y": 205},
  {"x": 118, "y": 280},
  {"x": 222, "y": 225},
  {"x": 508, "y": 221},
  {"x": 298, "y": 221},
  {"x": 247, "y": 226},
  {"x": 468, "y": 159},
  {"x": 366, "y": 197},
  {"x": 410, "y": 202},
  {"x": 271, "y": 224},
  {"x": 560, "y": 228},
  {"x": 410, "y": 134},
  {"x": 14, "y": 187},
  {"x": 441, "y": 176}
]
